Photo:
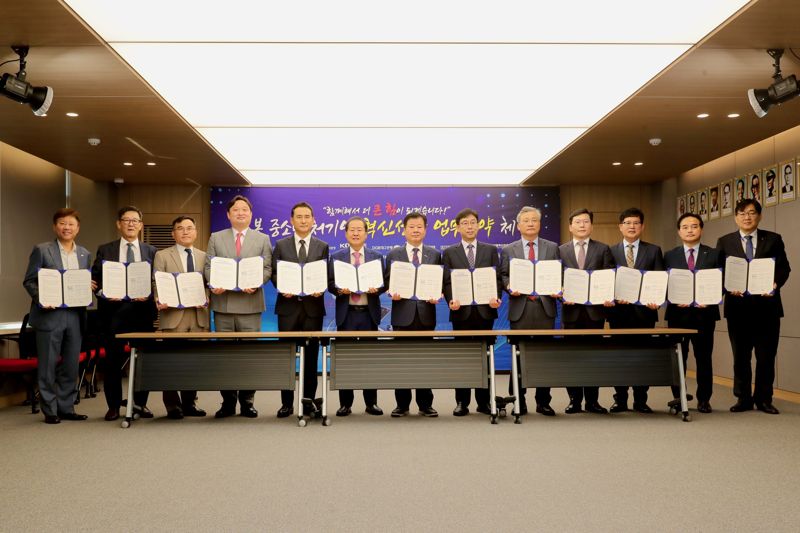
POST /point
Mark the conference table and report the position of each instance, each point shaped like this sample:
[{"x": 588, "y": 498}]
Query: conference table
[{"x": 441, "y": 359}]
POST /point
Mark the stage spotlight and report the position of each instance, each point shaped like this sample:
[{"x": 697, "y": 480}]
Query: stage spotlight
[
  {"x": 19, "y": 90},
  {"x": 782, "y": 90}
]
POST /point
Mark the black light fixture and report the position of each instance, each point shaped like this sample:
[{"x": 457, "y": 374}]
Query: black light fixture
[
  {"x": 19, "y": 90},
  {"x": 782, "y": 89}
]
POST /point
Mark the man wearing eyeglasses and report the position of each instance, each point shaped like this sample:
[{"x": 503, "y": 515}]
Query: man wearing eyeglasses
[
  {"x": 123, "y": 316},
  {"x": 754, "y": 319}
]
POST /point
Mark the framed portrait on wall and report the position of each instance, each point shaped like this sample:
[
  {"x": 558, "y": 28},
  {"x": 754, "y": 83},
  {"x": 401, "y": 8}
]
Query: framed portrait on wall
[
  {"x": 788, "y": 180},
  {"x": 739, "y": 189},
  {"x": 681, "y": 206},
  {"x": 770, "y": 192},
  {"x": 713, "y": 202},
  {"x": 754, "y": 186},
  {"x": 727, "y": 198},
  {"x": 702, "y": 204},
  {"x": 691, "y": 202}
]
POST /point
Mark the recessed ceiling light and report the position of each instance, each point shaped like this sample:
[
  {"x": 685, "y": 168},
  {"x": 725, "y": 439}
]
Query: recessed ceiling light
[
  {"x": 72, "y": 114},
  {"x": 128, "y": 164},
  {"x": 151, "y": 164},
  {"x": 616, "y": 163},
  {"x": 702, "y": 115},
  {"x": 733, "y": 115},
  {"x": 638, "y": 164}
]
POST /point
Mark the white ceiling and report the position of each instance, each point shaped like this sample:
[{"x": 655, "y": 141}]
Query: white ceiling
[{"x": 354, "y": 92}]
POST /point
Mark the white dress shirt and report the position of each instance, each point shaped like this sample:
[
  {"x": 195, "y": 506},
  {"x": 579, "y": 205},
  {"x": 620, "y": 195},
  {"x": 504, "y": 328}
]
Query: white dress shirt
[{"x": 123, "y": 250}]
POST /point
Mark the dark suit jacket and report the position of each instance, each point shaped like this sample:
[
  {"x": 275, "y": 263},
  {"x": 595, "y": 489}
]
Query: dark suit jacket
[
  {"x": 47, "y": 255},
  {"x": 769, "y": 244},
  {"x": 343, "y": 300},
  {"x": 598, "y": 257},
  {"x": 516, "y": 304},
  {"x": 455, "y": 257},
  {"x": 648, "y": 258},
  {"x": 285, "y": 251},
  {"x": 707, "y": 257},
  {"x": 403, "y": 310},
  {"x": 124, "y": 316}
]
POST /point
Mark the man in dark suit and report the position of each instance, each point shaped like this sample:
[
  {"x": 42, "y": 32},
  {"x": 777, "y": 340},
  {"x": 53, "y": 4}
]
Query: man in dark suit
[
  {"x": 413, "y": 315},
  {"x": 586, "y": 254},
  {"x": 524, "y": 311},
  {"x": 692, "y": 255},
  {"x": 123, "y": 316},
  {"x": 633, "y": 252},
  {"x": 471, "y": 254},
  {"x": 356, "y": 312},
  {"x": 300, "y": 313},
  {"x": 754, "y": 319},
  {"x": 58, "y": 330}
]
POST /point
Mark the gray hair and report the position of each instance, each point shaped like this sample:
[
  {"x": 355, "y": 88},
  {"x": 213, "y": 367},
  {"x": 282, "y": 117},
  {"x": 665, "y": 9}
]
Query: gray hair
[{"x": 528, "y": 209}]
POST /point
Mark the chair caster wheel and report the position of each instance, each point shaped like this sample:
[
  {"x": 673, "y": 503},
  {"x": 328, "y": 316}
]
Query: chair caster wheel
[
  {"x": 687, "y": 417},
  {"x": 302, "y": 422},
  {"x": 494, "y": 419},
  {"x": 325, "y": 421},
  {"x": 125, "y": 424},
  {"x": 503, "y": 413}
]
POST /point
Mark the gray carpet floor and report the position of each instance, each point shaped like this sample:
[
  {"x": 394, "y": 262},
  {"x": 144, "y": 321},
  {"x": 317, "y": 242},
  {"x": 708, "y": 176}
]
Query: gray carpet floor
[{"x": 625, "y": 472}]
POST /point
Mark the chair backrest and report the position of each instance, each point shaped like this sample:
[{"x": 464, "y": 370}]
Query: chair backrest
[{"x": 27, "y": 340}]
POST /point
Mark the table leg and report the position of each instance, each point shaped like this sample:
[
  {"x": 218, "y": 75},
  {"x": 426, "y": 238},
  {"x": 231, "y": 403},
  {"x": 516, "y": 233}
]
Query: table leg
[
  {"x": 515, "y": 383},
  {"x": 300, "y": 420},
  {"x": 492, "y": 387},
  {"x": 684, "y": 406},
  {"x": 132, "y": 372},
  {"x": 325, "y": 420}
]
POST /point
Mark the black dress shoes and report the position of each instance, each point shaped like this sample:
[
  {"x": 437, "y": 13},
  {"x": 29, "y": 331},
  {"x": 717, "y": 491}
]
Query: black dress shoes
[
  {"x": 642, "y": 408},
  {"x": 397, "y": 412},
  {"x": 430, "y": 412},
  {"x": 740, "y": 407},
  {"x": 596, "y": 408},
  {"x": 460, "y": 410},
  {"x": 285, "y": 410},
  {"x": 193, "y": 411},
  {"x": 248, "y": 411},
  {"x": 545, "y": 410},
  {"x": 175, "y": 414},
  {"x": 704, "y": 407},
  {"x": 51, "y": 419},
  {"x": 343, "y": 411},
  {"x": 484, "y": 409},
  {"x": 143, "y": 412},
  {"x": 111, "y": 415},
  {"x": 573, "y": 408},
  {"x": 767, "y": 408},
  {"x": 619, "y": 407},
  {"x": 225, "y": 412},
  {"x": 374, "y": 410},
  {"x": 71, "y": 416}
]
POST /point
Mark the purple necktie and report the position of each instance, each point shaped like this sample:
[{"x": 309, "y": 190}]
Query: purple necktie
[
  {"x": 691, "y": 259},
  {"x": 415, "y": 257},
  {"x": 471, "y": 255},
  {"x": 355, "y": 298}
]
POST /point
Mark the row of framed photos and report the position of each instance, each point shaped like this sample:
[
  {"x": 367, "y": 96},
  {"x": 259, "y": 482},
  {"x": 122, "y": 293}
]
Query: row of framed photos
[{"x": 771, "y": 185}]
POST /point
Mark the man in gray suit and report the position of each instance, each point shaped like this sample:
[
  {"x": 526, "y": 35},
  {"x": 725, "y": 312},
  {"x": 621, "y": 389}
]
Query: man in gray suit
[
  {"x": 58, "y": 330},
  {"x": 238, "y": 310},
  {"x": 524, "y": 311},
  {"x": 183, "y": 257}
]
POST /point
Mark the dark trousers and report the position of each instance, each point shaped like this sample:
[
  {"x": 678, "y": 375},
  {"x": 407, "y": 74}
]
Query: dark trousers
[
  {"x": 300, "y": 321},
  {"x": 703, "y": 346},
  {"x": 473, "y": 321},
  {"x": 358, "y": 320},
  {"x": 424, "y": 396},
  {"x": 533, "y": 317},
  {"x": 112, "y": 381},
  {"x": 187, "y": 400},
  {"x": 759, "y": 334},
  {"x": 58, "y": 381},
  {"x": 240, "y": 322},
  {"x": 631, "y": 321},
  {"x": 577, "y": 394}
]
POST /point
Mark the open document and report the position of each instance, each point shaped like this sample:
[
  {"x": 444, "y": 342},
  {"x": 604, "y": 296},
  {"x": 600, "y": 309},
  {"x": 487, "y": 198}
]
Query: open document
[
  {"x": 358, "y": 278},
  {"x": 756, "y": 276},
  {"x": 702, "y": 287},
  {"x": 423, "y": 282},
  {"x": 236, "y": 274},
  {"x": 67, "y": 288},
  {"x": 126, "y": 281},
  {"x": 309, "y": 278},
  {"x": 180, "y": 290},
  {"x": 541, "y": 278},
  {"x": 474, "y": 287}
]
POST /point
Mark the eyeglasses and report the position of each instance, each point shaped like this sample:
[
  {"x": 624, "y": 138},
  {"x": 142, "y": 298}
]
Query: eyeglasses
[
  {"x": 185, "y": 229},
  {"x": 470, "y": 222},
  {"x": 631, "y": 223},
  {"x": 746, "y": 214},
  {"x": 132, "y": 221}
]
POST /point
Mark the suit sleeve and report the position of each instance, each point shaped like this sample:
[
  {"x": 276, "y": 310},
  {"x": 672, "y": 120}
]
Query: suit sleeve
[
  {"x": 447, "y": 283},
  {"x": 97, "y": 269},
  {"x": 159, "y": 265},
  {"x": 782, "y": 267},
  {"x": 658, "y": 264},
  {"x": 266, "y": 253},
  {"x": 505, "y": 264},
  {"x": 211, "y": 251},
  {"x": 498, "y": 278},
  {"x": 385, "y": 287},
  {"x": 276, "y": 256},
  {"x": 332, "y": 278},
  {"x": 608, "y": 259},
  {"x": 387, "y": 269},
  {"x": 31, "y": 281}
]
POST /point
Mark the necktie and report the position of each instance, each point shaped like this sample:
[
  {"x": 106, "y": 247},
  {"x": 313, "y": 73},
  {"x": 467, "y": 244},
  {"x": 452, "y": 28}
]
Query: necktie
[
  {"x": 629, "y": 256},
  {"x": 189, "y": 260},
  {"x": 748, "y": 247},
  {"x": 355, "y": 298},
  {"x": 130, "y": 258},
  {"x": 471, "y": 255},
  {"x": 690, "y": 262},
  {"x": 415, "y": 257},
  {"x": 531, "y": 251},
  {"x": 238, "y": 244},
  {"x": 582, "y": 254},
  {"x": 302, "y": 255}
]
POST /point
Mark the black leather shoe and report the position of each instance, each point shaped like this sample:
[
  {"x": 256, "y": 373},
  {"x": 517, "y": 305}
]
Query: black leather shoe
[
  {"x": 642, "y": 408},
  {"x": 72, "y": 416},
  {"x": 596, "y": 408},
  {"x": 704, "y": 407},
  {"x": 740, "y": 407},
  {"x": 111, "y": 415},
  {"x": 374, "y": 410},
  {"x": 248, "y": 411},
  {"x": 545, "y": 410},
  {"x": 343, "y": 411},
  {"x": 619, "y": 407},
  {"x": 51, "y": 419},
  {"x": 143, "y": 412},
  {"x": 460, "y": 410},
  {"x": 225, "y": 412},
  {"x": 430, "y": 412},
  {"x": 767, "y": 408},
  {"x": 484, "y": 409},
  {"x": 398, "y": 412},
  {"x": 175, "y": 414},
  {"x": 285, "y": 410},
  {"x": 573, "y": 408},
  {"x": 193, "y": 411}
]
